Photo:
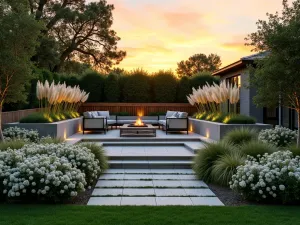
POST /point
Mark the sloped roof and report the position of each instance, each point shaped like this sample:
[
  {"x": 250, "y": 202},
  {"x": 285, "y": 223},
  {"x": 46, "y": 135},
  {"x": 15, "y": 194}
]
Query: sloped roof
[{"x": 242, "y": 63}]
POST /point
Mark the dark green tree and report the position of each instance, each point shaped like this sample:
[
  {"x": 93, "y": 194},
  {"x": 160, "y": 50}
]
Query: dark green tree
[
  {"x": 276, "y": 77},
  {"x": 18, "y": 40},
  {"x": 164, "y": 86},
  {"x": 82, "y": 31},
  {"x": 201, "y": 79},
  {"x": 198, "y": 63}
]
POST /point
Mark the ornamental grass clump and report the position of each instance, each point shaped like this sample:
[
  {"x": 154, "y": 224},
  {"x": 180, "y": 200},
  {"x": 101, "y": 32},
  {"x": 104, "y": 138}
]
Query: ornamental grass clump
[
  {"x": 225, "y": 166},
  {"x": 270, "y": 178},
  {"x": 13, "y": 144},
  {"x": 240, "y": 136},
  {"x": 279, "y": 136},
  {"x": 257, "y": 148},
  {"x": 206, "y": 158}
]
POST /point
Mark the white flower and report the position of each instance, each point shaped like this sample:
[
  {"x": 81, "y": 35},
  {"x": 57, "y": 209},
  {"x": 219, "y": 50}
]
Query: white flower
[{"x": 281, "y": 187}]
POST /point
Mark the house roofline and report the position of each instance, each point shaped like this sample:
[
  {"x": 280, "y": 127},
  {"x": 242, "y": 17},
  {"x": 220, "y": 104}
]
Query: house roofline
[{"x": 228, "y": 67}]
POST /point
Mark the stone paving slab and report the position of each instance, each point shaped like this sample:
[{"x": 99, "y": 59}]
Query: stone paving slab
[
  {"x": 138, "y": 192},
  {"x": 111, "y": 176},
  {"x": 137, "y": 176},
  {"x": 137, "y": 183},
  {"x": 193, "y": 183},
  {"x": 110, "y": 183},
  {"x": 211, "y": 201},
  {"x": 105, "y": 201},
  {"x": 138, "y": 201},
  {"x": 167, "y": 183},
  {"x": 173, "y": 201},
  {"x": 170, "y": 192},
  {"x": 107, "y": 191},
  {"x": 199, "y": 192}
]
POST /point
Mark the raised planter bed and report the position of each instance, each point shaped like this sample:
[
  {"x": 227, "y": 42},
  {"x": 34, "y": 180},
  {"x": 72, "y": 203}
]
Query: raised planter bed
[
  {"x": 217, "y": 131},
  {"x": 62, "y": 129}
]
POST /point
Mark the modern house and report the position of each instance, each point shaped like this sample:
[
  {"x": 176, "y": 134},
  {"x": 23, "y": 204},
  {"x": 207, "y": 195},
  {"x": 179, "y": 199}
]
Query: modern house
[{"x": 238, "y": 73}]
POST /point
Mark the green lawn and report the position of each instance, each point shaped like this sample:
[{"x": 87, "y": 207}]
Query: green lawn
[{"x": 91, "y": 215}]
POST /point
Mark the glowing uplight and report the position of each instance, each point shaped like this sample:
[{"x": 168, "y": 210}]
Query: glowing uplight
[
  {"x": 65, "y": 134},
  {"x": 79, "y": 128},
  {"x": 191, "y": 128},
  {"x": 207, "y": 134}
]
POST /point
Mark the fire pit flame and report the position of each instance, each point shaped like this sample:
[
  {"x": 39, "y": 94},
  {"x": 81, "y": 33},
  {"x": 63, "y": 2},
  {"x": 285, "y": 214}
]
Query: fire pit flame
[{"x": 139, "y": 122}]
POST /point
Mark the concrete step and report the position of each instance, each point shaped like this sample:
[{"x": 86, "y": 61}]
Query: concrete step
[
  {"x": 150, "y": 158},
  {"x": 150, "y": 164},
  {"x": 151, "y": 171}
]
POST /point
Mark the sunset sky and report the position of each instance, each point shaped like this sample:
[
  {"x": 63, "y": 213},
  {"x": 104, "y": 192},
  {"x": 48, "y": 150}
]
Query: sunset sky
[{"x": 159, "y": 33}]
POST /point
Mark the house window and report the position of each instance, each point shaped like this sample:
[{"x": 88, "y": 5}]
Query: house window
[{"x": 235, "y": 80}]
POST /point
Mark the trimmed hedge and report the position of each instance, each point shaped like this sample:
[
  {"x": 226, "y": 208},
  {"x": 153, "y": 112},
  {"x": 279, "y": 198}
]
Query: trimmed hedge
[
  {"x": 137, "y": 87},
  {"x": 164, "y": 86},
  {"x": 201, "y": 79},
  {"x": 112, "y": 88},
  {"x": 93, "y": 83},
  {"x": 183, "y": 89}
]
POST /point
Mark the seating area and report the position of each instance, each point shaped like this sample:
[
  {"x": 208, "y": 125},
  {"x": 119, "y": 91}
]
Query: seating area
[{"x": 101, "y": 121}]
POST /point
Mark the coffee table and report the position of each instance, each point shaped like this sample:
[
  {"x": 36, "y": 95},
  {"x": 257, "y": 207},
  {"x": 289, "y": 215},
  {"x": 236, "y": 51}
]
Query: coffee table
[{"x": 128, "y": 131}]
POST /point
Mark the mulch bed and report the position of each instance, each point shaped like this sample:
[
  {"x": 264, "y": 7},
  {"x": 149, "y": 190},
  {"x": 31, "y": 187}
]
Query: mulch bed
[{"x": 227, "y": 196}]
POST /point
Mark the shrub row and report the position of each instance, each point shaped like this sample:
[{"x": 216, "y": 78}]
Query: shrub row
[
  {"x": 41, "y": 117},
  {"x": 136, "y": 86}
]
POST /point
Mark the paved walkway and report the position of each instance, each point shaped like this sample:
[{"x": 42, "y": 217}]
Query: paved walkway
[{"x": 152, "y": 187}]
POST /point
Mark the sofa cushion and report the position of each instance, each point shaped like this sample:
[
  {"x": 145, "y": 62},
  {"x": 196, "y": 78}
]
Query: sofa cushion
[
  {"x": 87, "y": 115},
  {"x": 103, "y": 113},
  {"x": 162, "y": 122},
  {"x": 94, "y": 114},
  {"x": 150, "y": 121},
  {"x": 111, "y": 122},
  {"x": 170, "y": 113},
  {"x": 182, "y": 114},
  {"x": 126, "y": 121}
]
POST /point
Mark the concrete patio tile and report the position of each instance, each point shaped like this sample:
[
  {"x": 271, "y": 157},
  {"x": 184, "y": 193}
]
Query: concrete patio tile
[
  {"x": 211, "y": 201},
  {"x": 137, "y": 171},
  {"x": 110, "y": 183},
  {"x": 137, "y": 176},
  {"x": 111, "y": 176},
  {"x": 170, "y": 192},
  {"x": 166, "y": 183},
  {"x": 138, "y": 191},
  {"x": 105, "y": 201},
  {"x": 137, "y": 183},
  {"x": 114, "y": 171},
  {"x": 199, "y": 192},
  {"x": 166, "y": 177},
  {"x": 107, "y": 191},
  {"x": 187, "y": 177},
  {"x": 193, "y": 183},
  {"x": 138, "y": 201},
  {"x": 173, "y": 201}
]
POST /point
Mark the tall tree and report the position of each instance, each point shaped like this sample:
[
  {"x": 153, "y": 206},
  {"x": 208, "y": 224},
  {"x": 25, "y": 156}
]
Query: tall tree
[
  {"x": 276, "y": 77},
  {"x": 81, "y": 31},
  {"x": 19, "y": 32},
  {"x": 198, "y": 63}
]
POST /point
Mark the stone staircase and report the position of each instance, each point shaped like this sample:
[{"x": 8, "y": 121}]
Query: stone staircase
[{"x": 151, "y": 180}]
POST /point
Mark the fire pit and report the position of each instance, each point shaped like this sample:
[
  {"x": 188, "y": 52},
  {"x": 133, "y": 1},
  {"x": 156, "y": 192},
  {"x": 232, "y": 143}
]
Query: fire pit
[{"x": 138, "y": 123}]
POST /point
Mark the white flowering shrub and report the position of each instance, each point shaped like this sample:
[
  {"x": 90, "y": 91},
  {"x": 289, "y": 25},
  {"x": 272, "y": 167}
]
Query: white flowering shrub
[
  {"x": 79, "y": 156},
  {"x": 274, "y": 177},
  {"x": 279, "y": 136},
  {"x": 16, "y": 133},
  {"x": 40, "y": 176},
  {"x": 50, "y": 171}
]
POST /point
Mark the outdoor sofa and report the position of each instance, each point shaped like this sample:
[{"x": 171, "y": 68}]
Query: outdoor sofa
[
  {"x": 174, "y": 121},
  {"x": 102, "y": 120}
]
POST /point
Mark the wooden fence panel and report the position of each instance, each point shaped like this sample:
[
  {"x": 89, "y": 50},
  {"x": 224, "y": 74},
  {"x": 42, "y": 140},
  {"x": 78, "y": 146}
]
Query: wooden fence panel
[
  {"x": 15, "y": 116},
  {"x": 138, "y": 108}
]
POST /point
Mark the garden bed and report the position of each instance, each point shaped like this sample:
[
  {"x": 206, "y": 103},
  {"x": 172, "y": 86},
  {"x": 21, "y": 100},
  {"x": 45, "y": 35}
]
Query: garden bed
[
  {"x": 62, "y": 129},
  {"x": 217, "y": 131}
]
